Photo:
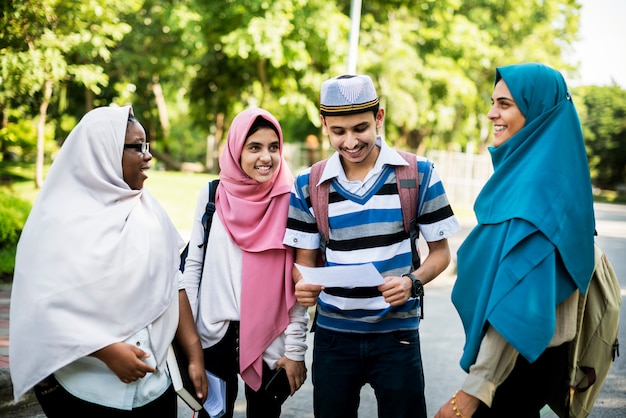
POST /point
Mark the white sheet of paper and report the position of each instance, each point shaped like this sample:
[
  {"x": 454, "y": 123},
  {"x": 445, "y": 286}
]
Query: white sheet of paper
[
  {"x": 361, "y": 275},
  {"x": 215, "y": 403}
]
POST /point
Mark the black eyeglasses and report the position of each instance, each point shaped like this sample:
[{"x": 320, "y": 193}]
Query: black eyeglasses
[{"x": 142, "y": 147}]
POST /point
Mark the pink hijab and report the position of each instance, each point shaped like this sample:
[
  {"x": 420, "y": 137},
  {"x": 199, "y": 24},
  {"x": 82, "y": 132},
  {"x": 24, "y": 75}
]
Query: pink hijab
[{"x": 255, "y": 216}]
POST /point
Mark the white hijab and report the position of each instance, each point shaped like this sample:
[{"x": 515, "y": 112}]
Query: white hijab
[{"x": 96, "y": 261}]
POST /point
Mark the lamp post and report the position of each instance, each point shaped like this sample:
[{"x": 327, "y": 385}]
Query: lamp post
[{"x": 355, "y": 24}]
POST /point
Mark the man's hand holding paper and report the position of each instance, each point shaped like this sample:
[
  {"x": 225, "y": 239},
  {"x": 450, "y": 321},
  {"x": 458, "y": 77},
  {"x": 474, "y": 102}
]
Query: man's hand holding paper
[
  {"x": 338, "y": 281},
  {"x": 362, "y": 275}
]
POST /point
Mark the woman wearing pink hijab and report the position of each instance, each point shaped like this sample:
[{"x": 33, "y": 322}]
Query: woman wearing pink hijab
[{"x": 242, "y": 296}]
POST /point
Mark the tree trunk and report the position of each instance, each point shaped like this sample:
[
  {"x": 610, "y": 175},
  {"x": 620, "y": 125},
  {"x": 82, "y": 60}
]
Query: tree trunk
[
  {"x": 161, "y": 106},
  {"x": 213, "y": 145},
  {"x": 4, "y": 113},
  {"x": 41, "y": 133},
  {"x": 88, "y": 99}
]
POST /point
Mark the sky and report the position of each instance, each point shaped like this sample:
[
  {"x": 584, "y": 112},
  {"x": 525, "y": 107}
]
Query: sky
[{"x": 601, "y": 50}]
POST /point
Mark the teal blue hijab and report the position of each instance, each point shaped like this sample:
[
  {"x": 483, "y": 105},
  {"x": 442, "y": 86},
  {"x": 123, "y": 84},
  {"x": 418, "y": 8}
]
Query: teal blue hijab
[{"x": 533, "y": 245}]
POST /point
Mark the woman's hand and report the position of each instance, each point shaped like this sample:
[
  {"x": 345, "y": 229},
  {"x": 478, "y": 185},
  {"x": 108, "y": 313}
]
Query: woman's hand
[
  {"x": 465, "y": 404},
  {"x": 125, "y": 360},
  {"x": 199, "y": 379},
  {"x": 307, "y": 294},
  {"x": 296, "y": 372},
  {"x": 189, "y": 342}
]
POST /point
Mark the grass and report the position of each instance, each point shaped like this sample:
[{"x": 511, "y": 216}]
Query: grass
[{"x": 176, "y": 191}]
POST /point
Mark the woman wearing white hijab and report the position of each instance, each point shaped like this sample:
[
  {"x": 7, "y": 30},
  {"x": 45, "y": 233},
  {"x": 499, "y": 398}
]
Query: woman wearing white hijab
[{"x": 95, "y": 298}]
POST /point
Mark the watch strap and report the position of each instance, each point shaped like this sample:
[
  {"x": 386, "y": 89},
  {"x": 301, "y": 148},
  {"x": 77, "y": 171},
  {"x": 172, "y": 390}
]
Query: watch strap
[{"x": 417, "y": 287}]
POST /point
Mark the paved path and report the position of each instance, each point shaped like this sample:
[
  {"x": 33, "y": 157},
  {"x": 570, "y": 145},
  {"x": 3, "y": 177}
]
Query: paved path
[{"x": 5, "y": 296}]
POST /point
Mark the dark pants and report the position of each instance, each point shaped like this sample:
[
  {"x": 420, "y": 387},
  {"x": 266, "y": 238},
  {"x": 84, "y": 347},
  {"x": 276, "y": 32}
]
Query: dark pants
[
  {"x": 390, "y": 362},
  {"x": 530, "y": 386},
  {"x": 56, "y": 402},
  {"x": 223, "y": 361}
]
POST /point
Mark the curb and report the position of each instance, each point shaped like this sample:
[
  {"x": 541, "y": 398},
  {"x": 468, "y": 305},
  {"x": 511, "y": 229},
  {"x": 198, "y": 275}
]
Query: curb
[{"x": 6, "y": 395}]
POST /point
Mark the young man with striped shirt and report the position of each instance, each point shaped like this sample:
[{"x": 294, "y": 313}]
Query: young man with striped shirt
[{"x": 367, "y": 335}]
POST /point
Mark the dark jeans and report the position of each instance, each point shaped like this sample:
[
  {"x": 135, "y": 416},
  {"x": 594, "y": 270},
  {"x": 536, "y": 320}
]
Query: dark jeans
[
  {"x": 223, "y": 361},
  {"x": 56, "y": 402},
  {"x": 530, "y": 386},
  {"x": 390, "y": 362}
]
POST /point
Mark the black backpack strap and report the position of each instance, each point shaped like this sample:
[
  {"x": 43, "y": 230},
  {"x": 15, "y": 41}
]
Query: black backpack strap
[{"x": 207, "y": 219}]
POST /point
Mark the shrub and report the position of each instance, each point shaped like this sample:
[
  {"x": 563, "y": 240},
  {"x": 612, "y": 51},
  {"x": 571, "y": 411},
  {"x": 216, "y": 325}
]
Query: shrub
[{"x": 13, "y": 214}]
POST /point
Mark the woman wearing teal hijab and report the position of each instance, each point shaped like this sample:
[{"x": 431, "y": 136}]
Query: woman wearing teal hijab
[{"x": 521, "y": 269}]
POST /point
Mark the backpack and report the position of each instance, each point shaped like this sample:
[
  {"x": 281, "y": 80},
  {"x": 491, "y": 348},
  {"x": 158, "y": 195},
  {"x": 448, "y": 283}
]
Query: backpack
[
  {"x": 595, "y": 345},
  {"x": 408, "y": 189},
  {"x": 207, "y": 219}
]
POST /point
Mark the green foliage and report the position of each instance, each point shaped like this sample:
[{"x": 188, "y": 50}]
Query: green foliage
[
  {"x": 47, "y": 43},
  {"x": 19, "y": 140},
  {"x": 7, "y": 264},
  {"x": 269, "y": 54},
  {"x": 189, "y": 66},
  {"x": 604, "y": 123},
  {"x": 152, "y": 67},
  {"x": 435, "y": 60},
  {"x": 55, "y": 40},
  {"x": 13, "y": 214}
]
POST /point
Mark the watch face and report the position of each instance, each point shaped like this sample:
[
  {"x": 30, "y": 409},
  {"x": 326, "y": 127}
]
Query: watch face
[{"x": 417, "y": 288}]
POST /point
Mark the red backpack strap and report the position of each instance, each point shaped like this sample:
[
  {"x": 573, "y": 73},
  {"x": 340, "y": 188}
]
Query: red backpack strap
[
  {"x": 319, "y": 197},
  {"x": 408, "y": 188}
]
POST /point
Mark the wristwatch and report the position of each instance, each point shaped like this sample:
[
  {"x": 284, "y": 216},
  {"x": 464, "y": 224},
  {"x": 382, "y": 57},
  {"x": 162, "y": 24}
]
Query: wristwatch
[{"x": 417, "y": 288}]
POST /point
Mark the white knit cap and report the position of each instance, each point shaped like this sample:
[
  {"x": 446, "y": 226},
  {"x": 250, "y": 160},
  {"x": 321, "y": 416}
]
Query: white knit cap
[{"x": 348, "y": 94}]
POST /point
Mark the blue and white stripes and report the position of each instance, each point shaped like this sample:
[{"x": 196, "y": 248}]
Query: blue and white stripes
[{"x": 369, "y": 228}]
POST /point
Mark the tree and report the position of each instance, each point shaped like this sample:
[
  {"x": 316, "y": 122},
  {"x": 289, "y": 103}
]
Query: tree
[
  {"x": 604, "y": 124},
  {"x": 270, "y": 54},
  {"x": 52, "y": 41},
  {"x": 152, "y": 68},
  {"x": 189, "y": 66},
  {"x": 434, "y": 61}
]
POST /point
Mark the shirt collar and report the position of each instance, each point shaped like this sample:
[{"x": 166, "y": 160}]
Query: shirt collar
[{"x": 387, "y": 156}]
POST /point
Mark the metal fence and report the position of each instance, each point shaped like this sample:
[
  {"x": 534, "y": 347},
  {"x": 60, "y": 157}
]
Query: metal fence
[{"x": 463, "y": 175}]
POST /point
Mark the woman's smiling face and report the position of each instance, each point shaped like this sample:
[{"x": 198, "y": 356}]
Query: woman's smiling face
[
  {"x": 260, "y": 156},
  {"x": 134, "y": 162},
  {"x": 506, "y": 117}
]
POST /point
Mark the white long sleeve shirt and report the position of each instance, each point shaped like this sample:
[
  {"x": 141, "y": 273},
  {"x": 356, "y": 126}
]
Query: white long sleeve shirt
[{"x": 216, "y": 300}]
